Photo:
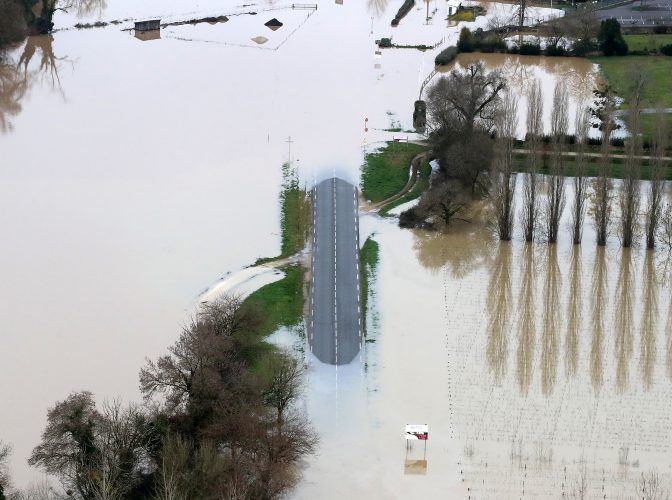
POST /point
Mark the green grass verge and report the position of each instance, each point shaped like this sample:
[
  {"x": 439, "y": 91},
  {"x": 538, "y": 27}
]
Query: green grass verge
[
  {"x": 463, "y": 15},
  {"x": 419, "y": 188},
  {"x": 368, "y": 261},
  {"x": 385, "y": 172},
  {"x": 647, "y": 42},
  {"x": 658, "y": 70},
  {"x": 616, "y": 167},
  {"x": 281, "y": 301},
  {"x": 295, "y": 219}
]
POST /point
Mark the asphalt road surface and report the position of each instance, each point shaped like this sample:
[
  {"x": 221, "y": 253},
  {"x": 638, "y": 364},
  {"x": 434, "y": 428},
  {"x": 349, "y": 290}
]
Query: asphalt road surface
[
  {"x": 334, "y": 326},
  {"x": 652, "y": 13}
]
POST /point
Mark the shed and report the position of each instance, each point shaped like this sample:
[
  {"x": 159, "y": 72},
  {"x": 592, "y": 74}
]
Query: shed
[{"x": 153, "y": 24}]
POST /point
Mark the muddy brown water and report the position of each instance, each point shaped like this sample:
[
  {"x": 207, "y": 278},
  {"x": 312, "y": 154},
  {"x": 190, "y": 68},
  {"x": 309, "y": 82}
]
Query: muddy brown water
[{"x": 134, "y": 178}]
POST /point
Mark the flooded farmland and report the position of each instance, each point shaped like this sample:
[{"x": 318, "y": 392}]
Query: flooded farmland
[{"x": 135, "y": 174}]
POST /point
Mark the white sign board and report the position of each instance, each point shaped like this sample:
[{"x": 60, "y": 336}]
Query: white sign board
[{"x": 417, "y": 431}]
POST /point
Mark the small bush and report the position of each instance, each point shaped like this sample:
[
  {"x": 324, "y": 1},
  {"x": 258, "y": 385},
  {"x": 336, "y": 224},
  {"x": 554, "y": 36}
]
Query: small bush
[
  {"x": 666, "y": 49},
  {"x": 492, "y": 45},
  {"x": 639, "y": 52},
  {"x": 617, "y": 142},
  {"x": 530, "y": 49},
  {"x": 581, "y": 47},
  {"x": 466, "y": 41},
  {"x": 660, "y": 30},
  {"x": 594, "y": 141},
  {"x": 410, "y": 219},
  {"x": 555, "y": 51},
  {"x": 445, "y": 56}
]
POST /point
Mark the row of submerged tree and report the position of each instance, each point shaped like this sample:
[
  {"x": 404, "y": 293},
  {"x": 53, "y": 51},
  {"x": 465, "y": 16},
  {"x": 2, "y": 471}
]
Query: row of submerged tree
[
  {"x": 220, "y": 420},
  {"x": 473, "y": 121}
]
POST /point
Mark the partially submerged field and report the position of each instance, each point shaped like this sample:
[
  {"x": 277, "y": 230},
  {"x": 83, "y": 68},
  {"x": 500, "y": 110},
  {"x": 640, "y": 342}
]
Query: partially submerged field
[{"x": 618, "y": 73}]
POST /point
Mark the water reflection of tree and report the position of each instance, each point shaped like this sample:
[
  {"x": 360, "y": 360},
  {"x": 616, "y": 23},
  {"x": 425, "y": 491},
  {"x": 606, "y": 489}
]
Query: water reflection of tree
[
  {"x": 462, "y": 249},
  {"x": 16, "y": 77},
  {"x": 623, "y": 321},
  {"x": 499, "y": 309},
  {"x": 599, "y": 296},
  {"x": 13, "y": 88},
  {"x": 649, "y": 320},
  {"x": 377, "y": 7},
  {"x": 574, "y": 313},
  {"x": 668, "y": 329},
  {"x": 551, "y": 319},
  {"x": 85, "y": 8},
  {"x": 527, "y": 327}
]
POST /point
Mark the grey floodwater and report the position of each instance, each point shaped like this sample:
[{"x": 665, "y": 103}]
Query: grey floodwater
[{"x": 136, "y": 173}]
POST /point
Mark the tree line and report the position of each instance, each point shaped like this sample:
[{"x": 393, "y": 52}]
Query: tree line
[
  {"x": 219, "y": 420},
  {"x": 473, "y": 119}
]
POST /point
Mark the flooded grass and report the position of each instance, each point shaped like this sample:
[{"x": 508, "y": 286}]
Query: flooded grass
[
  {"x": 658, "y": 71},
  {"x": 616, "y": 167},
  {"x": 368, "y": 261},
  {"x": 295, "y": 216},
  {"x": 385, "y": 172},
  {"x": 282, "y": 301},
  {"x": 418, "y": 189}
]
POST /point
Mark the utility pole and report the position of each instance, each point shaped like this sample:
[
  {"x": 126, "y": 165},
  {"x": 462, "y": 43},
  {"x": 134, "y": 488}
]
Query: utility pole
[{"x": 289, "y": 142}]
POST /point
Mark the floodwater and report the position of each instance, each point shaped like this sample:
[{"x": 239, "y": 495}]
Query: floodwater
[
  {"x": 578, "y": 74},
  {"x": 135, "y": 174},
  {"x": 533, "y": 365}
]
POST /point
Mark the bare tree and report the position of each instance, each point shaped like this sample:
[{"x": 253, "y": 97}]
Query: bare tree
[
  {"x": 650, "y": 487},
  {"x": 68, "y": 449},
  {"x": 173, "y": 469},
  {"x": 630, "y": 192},
  {"x": 580, "y": 179},
  {"x": 583, "y": 27},
  {"x": 464, "y": 99},
  {"x": 285, "y": 385},
  {"x": 5, "y": 478},
  {"x": 535, "y": 131},
  {"x": 555, "y": 201},
  {"x": 579, "y": 489},
  {"x": 602, "y": 185},
  {"x": 440, "y": 204},
  {"x": 656, "y": 186},
  {"x": 503, "y": 179}
]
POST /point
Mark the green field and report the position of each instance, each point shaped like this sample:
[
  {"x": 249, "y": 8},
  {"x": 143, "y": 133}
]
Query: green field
[
  {"x": 418, "y": 189},
  {"x": 385, "y": 172},
  {"x": 647, "y": 42},
  {"x": 658, "y": 69}
]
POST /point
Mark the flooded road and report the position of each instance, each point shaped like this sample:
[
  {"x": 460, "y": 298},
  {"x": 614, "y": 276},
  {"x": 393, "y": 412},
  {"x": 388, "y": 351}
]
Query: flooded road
[{"x": 135, "y": 174}]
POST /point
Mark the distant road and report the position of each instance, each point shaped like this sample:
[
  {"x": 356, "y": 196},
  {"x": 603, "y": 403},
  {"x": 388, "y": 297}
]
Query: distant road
[{"x": 334, "y": 326}]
